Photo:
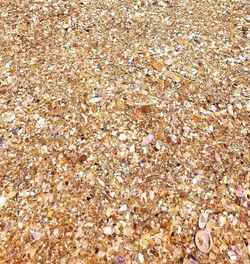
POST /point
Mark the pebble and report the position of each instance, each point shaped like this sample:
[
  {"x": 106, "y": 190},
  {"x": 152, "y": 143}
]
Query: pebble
[
  {"x": 230, "y": 110},
  {"x": 247, "y": 18},
  {"x": 146, "y": 140},
  {"x": 72, "y": 147},
  {"x": 10, "y": 117},
  {"x": 108, "y": 212},
  {"x": 128, "y": 231},
  {"x": 122, "y": 137},
  {"x": 222, "y": 220},
  {"x": 132, "y": 149},
  {"x": 36, "y": 235},
  {"x": 151, "y": 195},
  {"x": 95, "y": 100},
  {"x": 108, "y": 231},
  {"x": 123, "y": 208},
  {"x": 232, "y": 255}
]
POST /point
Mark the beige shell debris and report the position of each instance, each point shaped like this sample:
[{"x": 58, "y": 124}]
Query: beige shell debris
[
  {"x": 203, "y": 241},
  {"x": 122, "y": 123}
]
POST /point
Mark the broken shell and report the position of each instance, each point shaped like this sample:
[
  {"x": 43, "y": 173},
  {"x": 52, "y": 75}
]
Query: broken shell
[
  {"x": 203, "y": 220},
  {"x": 203, "y": 241}
]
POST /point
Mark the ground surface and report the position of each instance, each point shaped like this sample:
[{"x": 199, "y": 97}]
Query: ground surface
[{"x": 121, "y": 124}]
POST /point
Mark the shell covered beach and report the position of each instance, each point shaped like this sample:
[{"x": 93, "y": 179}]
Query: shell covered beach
[{"x": 124, "y": 131}]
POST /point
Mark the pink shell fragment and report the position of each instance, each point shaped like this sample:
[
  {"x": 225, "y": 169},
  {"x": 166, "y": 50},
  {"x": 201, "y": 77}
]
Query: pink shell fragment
[
  {"x": 36, "y": 235},
  {"x": 240, "y": 191},
  {"x": 146, "y": 140}
]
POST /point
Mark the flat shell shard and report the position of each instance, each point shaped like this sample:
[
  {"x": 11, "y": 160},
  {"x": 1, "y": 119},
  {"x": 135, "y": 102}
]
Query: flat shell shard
[
  {"x": 10, "y": 117},
  {"x": 120, "y": 260},
  {"x": 203, "y": 241},
  {"x": 122, "y": 137},
  {"x": 95, "y": 100},
  {"x": 36, "y": 235},
  {"x": 239, "y": 191},
  {"x": 146, "y": 140},
  {"x": 141, "y": 258},
  {"x": 123, "y": 208},
  {"x": 230, "y": 110},
  {"x": 10, "y": 195},
  {"x": 156, "y": 65},
  {"x": 108, "y": 231},
  {"x": 128, "y": 231},
  {"x": 3, "y": 201},
  {"x": 32, "y": 251},
  {"x": 203, "y": 220}
]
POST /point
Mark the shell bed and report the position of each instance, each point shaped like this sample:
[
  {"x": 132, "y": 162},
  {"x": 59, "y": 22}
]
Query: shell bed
[{"x": 124, "y": 131}]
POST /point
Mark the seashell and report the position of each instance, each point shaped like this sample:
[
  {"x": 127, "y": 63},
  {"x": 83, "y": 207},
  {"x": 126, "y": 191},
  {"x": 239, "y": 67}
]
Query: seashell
[
  {"x": 203, "y": 220},
  {"x": 36, "y": 235},
  {"x": 146, "y": 140},
  {"x": 3, "y": 201},
  {"x": 239, "y": 191},
  {"x": 203, "y": 241}
]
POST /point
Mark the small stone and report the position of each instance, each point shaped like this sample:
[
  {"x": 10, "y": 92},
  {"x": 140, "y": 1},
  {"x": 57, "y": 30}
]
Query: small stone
[
  {"x": 82, "y": 158},
  {"x": 232, "y": 255},
  {"x": 222, "y": 220},
  {"x": 145, "y": 109},
  {"x": 108, "y": 231},
  {"x": 156, "y": 65},
  {"x": 183, "y": 194},
  {"x": 72, "y": 147},
  {"x": 215, "y": 249},
  {"x": 31, "y": 251},
  {"x": 108, "y": 212},
  {"x": 59, "y": 186},
  {"x": 123, "y": 208},
  {"x": 166, "y": 224},
  {"x": 122, "y": 137},
  {"x": 132, "y": 149},
  {"x": 24, "y": 194},
  {"x": 212, "y": 256},
  {"x": 247, "y": 18},
  {"x": 230, "y": 110},
  {"x": 10, "y": 117},
  {"x": 20, "y": 213},
  {"x": 36, "y": 235},
  {"x": 117, "y": 231},
  {"x": 120, "y": 106},
  {"x": 146, "y": 140},
  {"x": 128, "y": 231},
  {"x": 11, "y": 195},
  {"x": 151, "y": 195},
  {"x": 194, "y": 180},
  {"x": 120, "y": 260},
  {"x": 95, "y": 100},
  {"x": 248, "y": 249}
]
